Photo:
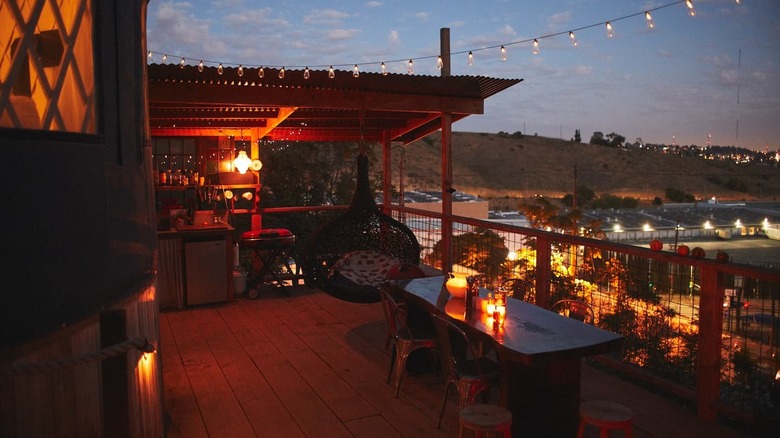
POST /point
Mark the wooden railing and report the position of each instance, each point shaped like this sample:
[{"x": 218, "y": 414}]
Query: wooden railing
[{"x": 684, "y": 333}]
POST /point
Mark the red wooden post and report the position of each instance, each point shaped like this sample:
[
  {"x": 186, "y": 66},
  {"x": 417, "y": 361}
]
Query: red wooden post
[
  {"x": 709, "y": 353},
  {"x": 543, "y": 253}
]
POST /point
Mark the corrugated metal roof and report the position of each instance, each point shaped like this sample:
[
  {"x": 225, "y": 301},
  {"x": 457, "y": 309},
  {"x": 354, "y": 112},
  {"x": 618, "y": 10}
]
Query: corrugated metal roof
[{"x": 342, "y": 108}]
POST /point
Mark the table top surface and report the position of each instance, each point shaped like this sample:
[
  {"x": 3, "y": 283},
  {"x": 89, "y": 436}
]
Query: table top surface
[{"x": 529, "y": 332}]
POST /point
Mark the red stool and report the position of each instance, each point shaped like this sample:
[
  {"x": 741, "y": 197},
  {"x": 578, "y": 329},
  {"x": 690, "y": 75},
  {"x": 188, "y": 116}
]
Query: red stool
[
  {"x": 605, "y": 415},
  {"x": 271, "y": 246},
  {"x": 484, "y": 419}
]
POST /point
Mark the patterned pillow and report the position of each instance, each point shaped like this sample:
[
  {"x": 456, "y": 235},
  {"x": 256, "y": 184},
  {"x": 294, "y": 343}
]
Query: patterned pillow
[{"x": 365, "y": 267}]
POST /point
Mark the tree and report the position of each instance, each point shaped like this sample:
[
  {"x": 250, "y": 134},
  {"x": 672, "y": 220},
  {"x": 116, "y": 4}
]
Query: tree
[
  {"x": 615, "y": 140},
  {"x": 577, "y": 136},
  {"x": 598, "y": 138}
]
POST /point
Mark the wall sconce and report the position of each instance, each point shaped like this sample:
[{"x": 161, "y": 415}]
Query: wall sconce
[{"x": 242, "y": 162}]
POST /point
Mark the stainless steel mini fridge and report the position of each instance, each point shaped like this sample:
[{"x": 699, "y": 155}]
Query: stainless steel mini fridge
[{"x": 206, "y": 272}]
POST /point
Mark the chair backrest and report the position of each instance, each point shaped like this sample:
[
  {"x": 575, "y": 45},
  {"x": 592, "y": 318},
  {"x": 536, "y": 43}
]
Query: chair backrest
[
  {"x": 395, "y": 314},
  {"x": 575, "y": 309},
  {"x": 454, "y": 344}
]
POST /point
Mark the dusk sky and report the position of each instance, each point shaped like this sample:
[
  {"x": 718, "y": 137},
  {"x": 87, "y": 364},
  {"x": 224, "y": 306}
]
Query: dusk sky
[{"x": 716, "y": 73}]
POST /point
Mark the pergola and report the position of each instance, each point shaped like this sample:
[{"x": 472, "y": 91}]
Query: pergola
[{"x": 298, "y": 105}]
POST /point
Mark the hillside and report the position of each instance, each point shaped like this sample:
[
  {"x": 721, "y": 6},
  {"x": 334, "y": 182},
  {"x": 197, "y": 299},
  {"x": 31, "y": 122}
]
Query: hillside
[{"x": 504, "y": 169}]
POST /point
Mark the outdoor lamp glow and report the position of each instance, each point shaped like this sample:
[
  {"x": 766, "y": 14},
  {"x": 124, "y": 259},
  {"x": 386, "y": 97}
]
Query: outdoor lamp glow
[{"x": 242, "y": 162}]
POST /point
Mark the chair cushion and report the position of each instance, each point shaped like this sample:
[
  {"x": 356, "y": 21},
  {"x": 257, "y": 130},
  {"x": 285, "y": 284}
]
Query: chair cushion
[{"x": 365, "y": 267}]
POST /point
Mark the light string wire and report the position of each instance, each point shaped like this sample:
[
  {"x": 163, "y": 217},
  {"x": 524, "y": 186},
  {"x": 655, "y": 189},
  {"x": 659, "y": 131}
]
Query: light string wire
[{"x": 350, "y": 65}]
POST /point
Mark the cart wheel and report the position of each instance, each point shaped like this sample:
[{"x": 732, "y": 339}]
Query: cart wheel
[{"x": 252, "y": 293}]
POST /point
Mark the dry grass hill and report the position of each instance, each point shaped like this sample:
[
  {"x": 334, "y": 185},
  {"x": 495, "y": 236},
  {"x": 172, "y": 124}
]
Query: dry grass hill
[{"x": 505, "y": 169}]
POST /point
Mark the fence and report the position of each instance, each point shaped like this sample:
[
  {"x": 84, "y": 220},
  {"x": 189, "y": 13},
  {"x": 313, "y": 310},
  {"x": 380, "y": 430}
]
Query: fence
[{"x": 703, "y": 329}]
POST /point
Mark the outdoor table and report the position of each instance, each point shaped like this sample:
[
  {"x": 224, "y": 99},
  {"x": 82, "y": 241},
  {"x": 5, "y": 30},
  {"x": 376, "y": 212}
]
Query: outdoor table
[{"x": 540, "y": 352}]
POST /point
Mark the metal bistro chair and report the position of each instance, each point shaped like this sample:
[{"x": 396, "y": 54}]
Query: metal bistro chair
[
  {"x": 464, "y": 368},
  {"x": 575, "y": 309},
  {"x": 403, "y": 340}
]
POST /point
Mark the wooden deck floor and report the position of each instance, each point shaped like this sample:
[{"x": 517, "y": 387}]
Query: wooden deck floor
[{"x": 313, "y": 366}]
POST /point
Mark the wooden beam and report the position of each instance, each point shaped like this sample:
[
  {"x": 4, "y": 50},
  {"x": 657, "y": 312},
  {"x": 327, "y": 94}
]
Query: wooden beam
[{"x": 167, "y": 92}]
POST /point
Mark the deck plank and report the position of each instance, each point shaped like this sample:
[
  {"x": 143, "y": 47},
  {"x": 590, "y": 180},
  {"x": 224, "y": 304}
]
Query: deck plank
[{"x": 310, "y": 365}]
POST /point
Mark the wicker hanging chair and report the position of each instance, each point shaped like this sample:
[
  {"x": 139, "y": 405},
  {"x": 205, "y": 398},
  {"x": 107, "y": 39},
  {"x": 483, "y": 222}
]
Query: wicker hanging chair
[{"x": 362, "y": 229}]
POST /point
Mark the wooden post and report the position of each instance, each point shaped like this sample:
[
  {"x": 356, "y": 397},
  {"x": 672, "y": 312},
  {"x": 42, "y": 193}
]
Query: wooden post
[
  {"x": 543, "y": 253},
  {"x": 446, "y": 163},
  {"x": 116, "y": 411},
  {"x": 709, "y": 352},
  {"x": 387, "y": 171}
]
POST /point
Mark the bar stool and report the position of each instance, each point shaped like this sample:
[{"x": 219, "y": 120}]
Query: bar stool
[
  {"x": 605, "y": 415},
  {"x": 483, "y": 419}
]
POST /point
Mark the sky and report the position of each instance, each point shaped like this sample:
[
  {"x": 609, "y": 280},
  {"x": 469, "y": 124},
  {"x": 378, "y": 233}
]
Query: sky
[{"x": 714, "y": 76}]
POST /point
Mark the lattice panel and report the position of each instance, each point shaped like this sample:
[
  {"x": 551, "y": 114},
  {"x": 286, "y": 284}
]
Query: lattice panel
[{"x": 46, "y": 65}]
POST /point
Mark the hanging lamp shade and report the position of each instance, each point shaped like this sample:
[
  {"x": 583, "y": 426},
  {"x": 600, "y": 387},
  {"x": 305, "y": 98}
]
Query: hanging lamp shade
[
  {"x": 363, "y": 228},
  {"x": 242, "y": 162}
]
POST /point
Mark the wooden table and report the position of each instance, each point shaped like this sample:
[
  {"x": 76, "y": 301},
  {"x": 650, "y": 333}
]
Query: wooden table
[{"x": 541, "y": 353}]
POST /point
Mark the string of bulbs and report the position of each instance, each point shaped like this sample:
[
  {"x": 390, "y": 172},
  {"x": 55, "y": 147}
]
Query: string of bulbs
[{"x": 535, "y": 48}]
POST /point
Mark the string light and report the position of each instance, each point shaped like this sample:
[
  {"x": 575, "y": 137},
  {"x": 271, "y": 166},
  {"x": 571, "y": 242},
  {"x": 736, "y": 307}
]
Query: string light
[
  {"x": 439, "y": 62},
  {"x": 535, "y": 43},
  {"x": 331, "y": 72},
  {"x": 355, "y": 71},
  {"x": 220, "y": 69},
  {"x": 261, "y": 72},
  {"x": 691, "y": 11},
  {"x": 306, "y": 73}
]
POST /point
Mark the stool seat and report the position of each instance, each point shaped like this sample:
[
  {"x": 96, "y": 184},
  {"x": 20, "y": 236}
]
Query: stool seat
[
  {"x": 483, "y": 418},
  {"x": 606, "y": 415}
]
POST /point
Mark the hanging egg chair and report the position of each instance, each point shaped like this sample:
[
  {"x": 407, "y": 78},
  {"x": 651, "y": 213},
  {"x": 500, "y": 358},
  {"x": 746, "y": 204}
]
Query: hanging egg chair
[{"x": 351, "y": 255}]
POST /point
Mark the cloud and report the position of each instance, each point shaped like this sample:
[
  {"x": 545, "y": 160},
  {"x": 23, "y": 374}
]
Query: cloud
[
  {"x": 341, "y": 34},
  {"x": 175, "y": 24},
  {"x": 393, "y": 37},
  {"x": 374, "y": 4},
  {"x": 325, "y": 17},
  {"x": 556, "y": 21},
  {"x": 422, "y": 16}
]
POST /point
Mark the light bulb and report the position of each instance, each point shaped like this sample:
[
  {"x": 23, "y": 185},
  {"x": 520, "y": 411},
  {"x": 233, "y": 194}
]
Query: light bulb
[
  {"x": 355, "y": 71},
  {"x": 331, "y": 72},
  {"x": 200, "y": 66},
  {"x": 410, "y": 68},
  {"x": 306, "y": 73},
  {"x": 610, "y": 32},
  {"x": 247, "y": 195},
  {"x": 261, "y": 72},
  {"x": 181, "y": 63},
  {"x": 573, "y": 39},
  {"x": 503, "y": 53},
  {"x": 535, "y": 50},
  {"x": 281, "y": 73},
  {"x": 384, "y": 69},
  {"x": 649, "y": 19},
  {"x": 149, "y": 56},
  {"x": 165, "y": 57},
  {"x": 471, "y": 58},
  {"x": 439, "y": 63},
  {"x": 220, "y": 69},
  {"x": 240, "y": 70},
  {"x": 691, "y": 11},
  {"x": 738, "y": 2}
]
